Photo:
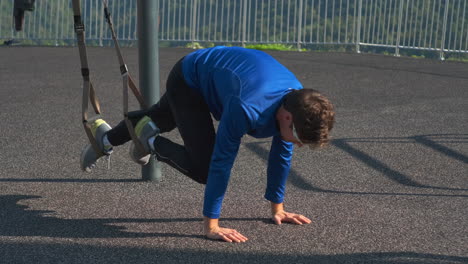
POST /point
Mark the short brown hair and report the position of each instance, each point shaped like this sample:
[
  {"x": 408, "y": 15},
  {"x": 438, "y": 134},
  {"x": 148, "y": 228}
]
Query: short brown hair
[{"x": 313, "y": 115}]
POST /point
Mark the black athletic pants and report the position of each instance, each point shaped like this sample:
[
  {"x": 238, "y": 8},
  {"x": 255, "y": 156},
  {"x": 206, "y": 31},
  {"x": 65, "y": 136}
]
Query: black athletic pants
[{"x": 184, "y": 108}]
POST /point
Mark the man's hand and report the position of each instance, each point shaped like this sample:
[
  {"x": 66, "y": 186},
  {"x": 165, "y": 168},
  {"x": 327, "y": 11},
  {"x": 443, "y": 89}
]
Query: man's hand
[
  {"x": 279, "y": 216},
  {"x": 283, "y": 216},
  {"x": 226, "y": 234},
  {"x": 213, "y": 231}
]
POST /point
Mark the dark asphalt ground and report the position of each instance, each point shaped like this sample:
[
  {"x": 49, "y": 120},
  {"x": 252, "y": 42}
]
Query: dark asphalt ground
[{"x": 391, "y": 188}]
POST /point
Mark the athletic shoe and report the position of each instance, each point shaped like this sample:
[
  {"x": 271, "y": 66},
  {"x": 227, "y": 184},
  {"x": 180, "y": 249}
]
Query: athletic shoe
[
  {"x": 144, "y": 130},
  {"x": 88, "y": 155}
]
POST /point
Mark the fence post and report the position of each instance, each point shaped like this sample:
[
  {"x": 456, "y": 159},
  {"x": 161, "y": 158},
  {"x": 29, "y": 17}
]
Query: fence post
[
  {"x": 101, "y": 29},
  {"x": 194, "y": 22},
  {"x": 358, "y": 28},
  {"x": 400, "y": 17},
  {"x": 57, "y": 24},
  {"x": 148, "y": 63},
  {"x": 1, "y": 9},
  {"x": 299, "y": 28},
  {"x": 444, "y": 31},
  {"x": 244, "y": 22}
]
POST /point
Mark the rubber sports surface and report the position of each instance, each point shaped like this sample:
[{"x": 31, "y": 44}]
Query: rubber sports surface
[{"x": 391, "y": 188}]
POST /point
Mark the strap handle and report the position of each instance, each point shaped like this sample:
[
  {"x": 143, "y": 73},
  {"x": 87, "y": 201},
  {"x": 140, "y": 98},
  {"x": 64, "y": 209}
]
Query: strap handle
[
  {"x": 88, "y": 90},
  {"x": 130, "y": 128},
  {"x": 127, "y": 82},
  {"x": 123, "y": 66}
]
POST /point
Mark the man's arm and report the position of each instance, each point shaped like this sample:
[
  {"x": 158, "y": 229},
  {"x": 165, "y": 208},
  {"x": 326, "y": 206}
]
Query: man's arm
[
  {"x": 233, "y": 125},
  {"x": 279, "y": 163}
]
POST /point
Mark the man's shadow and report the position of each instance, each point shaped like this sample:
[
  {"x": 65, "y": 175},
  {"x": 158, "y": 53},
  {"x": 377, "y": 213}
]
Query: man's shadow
[{"x": 18, "y": 220}]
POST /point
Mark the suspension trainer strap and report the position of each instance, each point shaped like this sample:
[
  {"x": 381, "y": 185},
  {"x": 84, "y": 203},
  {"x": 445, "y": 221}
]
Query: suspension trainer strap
[
  {"x": 88, "y": 89},
  {"x": 127, "y": 82},
  {"x": 122, "y": 64},
  {"x": 130, "y": 128}
]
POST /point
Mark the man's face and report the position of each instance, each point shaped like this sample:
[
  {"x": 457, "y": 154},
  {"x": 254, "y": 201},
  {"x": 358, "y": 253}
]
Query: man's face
[
  {"x": 287, "y": 129},
  {"x": 291, "y": 136}
]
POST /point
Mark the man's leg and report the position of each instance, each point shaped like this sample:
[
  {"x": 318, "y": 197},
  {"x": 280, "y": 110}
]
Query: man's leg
[
  {"x": 108, "y": 137},
  {"x": 193, "y": 120},
  {"x": 160, "y": 113},
  {"x": 180, "y": 106}
]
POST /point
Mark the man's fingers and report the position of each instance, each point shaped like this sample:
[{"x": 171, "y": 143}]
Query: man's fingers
[
  {"x": 243, "y": 237},
  {"x": 304, "y": 219},
  {"x": 233, "y": 236},
  {"x": 296, "y": 221},
  {"x": 291, "y": 218},
  {"x": 240, "y": 237},
  {"x": 225, "y": 238}
]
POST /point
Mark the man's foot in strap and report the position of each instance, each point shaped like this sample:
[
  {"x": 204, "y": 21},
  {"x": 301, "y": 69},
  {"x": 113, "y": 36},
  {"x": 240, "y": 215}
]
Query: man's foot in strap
[
  {"x": 89, "y": 156},
  {"x": 144, "y": 130}
]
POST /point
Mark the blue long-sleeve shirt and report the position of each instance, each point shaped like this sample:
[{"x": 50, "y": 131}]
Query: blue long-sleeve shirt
[{"x": 243, "y": 89}]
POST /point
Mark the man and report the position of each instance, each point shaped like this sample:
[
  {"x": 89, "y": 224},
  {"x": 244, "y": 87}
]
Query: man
[{"x": 249, "y": 92}]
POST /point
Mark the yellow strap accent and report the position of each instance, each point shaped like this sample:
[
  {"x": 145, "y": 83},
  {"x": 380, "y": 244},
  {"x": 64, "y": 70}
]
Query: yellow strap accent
[
  {"x": 139, "y": 127},
  {"x": 95, "y": 125}
]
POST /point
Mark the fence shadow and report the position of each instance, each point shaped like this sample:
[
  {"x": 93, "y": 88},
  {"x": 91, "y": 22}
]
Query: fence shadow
[
  {"x": 451, "y": 138},
  {"x": 394, "y": 175},
  {"x": 375, "y": 66},
  {"x": 344, "y": 144}
]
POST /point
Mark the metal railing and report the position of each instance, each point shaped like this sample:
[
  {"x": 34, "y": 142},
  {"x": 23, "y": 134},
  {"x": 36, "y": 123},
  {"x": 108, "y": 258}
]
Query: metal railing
[{"x": 435, "y": 25}]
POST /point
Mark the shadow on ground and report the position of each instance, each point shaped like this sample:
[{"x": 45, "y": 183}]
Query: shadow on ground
[
  {"x": 396, "y": 176},
  {"x": 58, "y": 253},
  {"x": 18, "y": 220}
]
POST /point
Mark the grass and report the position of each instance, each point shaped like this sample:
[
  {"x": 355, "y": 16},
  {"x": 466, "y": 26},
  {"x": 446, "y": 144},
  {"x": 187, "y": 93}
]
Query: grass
[
  {"x": 459, "y": 58},
  {"x": 278, "y": 47},
  {"x": 418, "y": 56}
]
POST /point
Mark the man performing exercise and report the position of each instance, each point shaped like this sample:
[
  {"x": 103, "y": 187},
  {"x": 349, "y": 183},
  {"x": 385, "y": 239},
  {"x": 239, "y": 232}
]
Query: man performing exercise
[{"x": 249, "y": 92}]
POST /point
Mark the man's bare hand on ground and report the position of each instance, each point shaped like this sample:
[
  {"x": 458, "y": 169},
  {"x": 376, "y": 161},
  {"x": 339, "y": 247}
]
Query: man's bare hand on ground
[
  {"x": 214, "y": 231},
  {"x": 282, "y": 216},
  {"x": 226, "y": 234}
]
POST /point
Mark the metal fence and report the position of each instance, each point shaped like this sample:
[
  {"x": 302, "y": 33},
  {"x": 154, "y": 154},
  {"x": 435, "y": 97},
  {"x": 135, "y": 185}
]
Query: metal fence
[{"x": 436, "y": 25}]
